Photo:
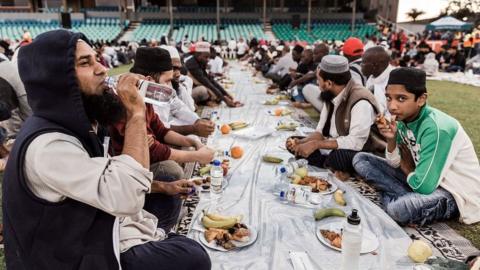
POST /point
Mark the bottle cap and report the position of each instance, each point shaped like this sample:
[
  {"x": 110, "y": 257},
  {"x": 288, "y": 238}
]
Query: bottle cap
[
  {"x": 353, "y": 218},
  {"x": 216, "y": 162},
  {"x": 283, "y": 170}
]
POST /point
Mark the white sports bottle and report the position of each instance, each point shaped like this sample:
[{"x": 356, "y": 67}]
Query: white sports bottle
[{"x": 351, "y": 242}]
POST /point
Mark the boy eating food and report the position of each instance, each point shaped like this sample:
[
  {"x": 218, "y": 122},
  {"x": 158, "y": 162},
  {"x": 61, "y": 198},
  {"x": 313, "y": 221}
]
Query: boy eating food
[{"x": 431, "y": 171}]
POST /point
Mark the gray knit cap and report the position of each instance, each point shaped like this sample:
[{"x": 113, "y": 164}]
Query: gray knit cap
[{"x": 334, "y": 64}]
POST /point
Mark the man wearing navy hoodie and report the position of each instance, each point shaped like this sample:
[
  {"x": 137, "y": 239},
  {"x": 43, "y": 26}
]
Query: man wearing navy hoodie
[{"x": 66, "y": 203}]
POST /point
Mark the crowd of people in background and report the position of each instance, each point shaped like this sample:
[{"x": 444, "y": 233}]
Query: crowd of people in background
[{"x": 351, "y": 83}]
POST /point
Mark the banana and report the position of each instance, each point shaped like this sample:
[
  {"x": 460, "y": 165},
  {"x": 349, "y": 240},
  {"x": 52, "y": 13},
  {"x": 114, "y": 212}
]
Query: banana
[
  {"x": 219, "y": 224},
  {"x": 239, "y": 126},
  {"x": 218, "y": 217},
  {"x": 328, "y": 212},
  {"x": 204, "y": 170},
  {"x": 236, "y": 123},
  {"x": 287, "y": 126},
  {"x": 271, "y": 102},
  {"x": 272, "y": 159},
  {"x": 338, "y": 196}
]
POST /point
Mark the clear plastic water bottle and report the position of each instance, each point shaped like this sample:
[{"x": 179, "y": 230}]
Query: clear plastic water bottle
[
  {"x": 216, "y": 181},
  {"x": 294, "y": 164},
  {"x": 351, "y": 242},
  {"x": 152, "y": 92},
  {"x": 283, "y": 184}
]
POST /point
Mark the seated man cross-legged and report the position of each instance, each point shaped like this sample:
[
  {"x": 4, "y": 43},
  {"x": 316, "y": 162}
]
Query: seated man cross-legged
[
  {"x": 431, "y": 171},
  {"x": 345, "y": 123}
]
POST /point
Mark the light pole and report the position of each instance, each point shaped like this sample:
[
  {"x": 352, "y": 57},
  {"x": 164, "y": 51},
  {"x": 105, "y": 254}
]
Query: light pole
[
  {"x": 309, "y": 19},
  {"x": 354, "y": 7},
  {"x": 218, "y": 19}
]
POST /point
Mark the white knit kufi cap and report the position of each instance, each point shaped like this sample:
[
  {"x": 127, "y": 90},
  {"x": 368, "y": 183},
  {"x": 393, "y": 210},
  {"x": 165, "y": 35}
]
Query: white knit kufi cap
[
  {"x": 172, "y": 50},
  {"x": 334, "y": 64},
  {"x": 202, "y": 46}
]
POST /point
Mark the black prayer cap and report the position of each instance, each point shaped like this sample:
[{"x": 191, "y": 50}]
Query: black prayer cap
[
  {"x": 151, "y": 60},
  {"x": 413, "y": 79},
  {"x": 298, "y": 48}
]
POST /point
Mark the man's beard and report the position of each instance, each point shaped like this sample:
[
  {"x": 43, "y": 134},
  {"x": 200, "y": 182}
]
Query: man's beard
[
  {"x": 326, "y": 95},
  {"x": 175, "y": 85},
  {"x": 106, "y": 109}
]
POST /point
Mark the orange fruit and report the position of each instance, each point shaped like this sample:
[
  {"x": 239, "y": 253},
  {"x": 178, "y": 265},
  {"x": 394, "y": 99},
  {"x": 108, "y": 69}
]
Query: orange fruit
[
  {"x": 236, "y": 152},
  {"x": 278, "y": 111},
  {"x": 225, "y": 129}
]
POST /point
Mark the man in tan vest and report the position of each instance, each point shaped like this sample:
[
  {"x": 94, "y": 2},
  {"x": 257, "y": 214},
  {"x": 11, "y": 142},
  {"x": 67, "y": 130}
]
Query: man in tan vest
[{"x": 345, "y": 122}]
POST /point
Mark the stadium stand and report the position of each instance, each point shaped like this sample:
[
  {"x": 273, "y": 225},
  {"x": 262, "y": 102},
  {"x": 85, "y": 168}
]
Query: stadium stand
[
  {"x": 151, "y": 29},
  {"x": 106, "y": 29},
  {"x": 321, "y": 30}
]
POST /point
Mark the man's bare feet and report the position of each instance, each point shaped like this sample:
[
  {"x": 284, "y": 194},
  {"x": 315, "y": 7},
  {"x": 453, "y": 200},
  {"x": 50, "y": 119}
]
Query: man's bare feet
[{"x": 212, "y": 103}]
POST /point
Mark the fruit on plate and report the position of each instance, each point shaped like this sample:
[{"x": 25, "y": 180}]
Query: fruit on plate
[
  {"x": 236, "y": 152},
  {"x": 419, "y": 251},
  {"x": 328, "y": 212},
  {"x": 218, "y": 217},
  {"x": 219, "y": 224},
  {"x": 238, "y": 125},
  {"x": 302, "y": 172},
  {"x": 334, "y": 238},
  {"x": 225, "y": 129},
  {"x": 339, "y": 198},
  {"x": 272, "y": 159}
]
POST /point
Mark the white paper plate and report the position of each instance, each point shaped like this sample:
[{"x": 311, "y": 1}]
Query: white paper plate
[
  {"x": 253, "y": 132},
  {"x": 213, "y": 245},
  {"x": 369, "y": 240},
  {"x": 324, "y": 175}
]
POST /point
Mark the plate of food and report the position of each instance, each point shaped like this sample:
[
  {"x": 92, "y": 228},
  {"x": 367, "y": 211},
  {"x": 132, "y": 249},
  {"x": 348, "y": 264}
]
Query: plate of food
[
  {"x": 330, "y": 234},
  {"x": 316, "y": 180},
  {"x": 225, "y": 233},
  {"x": 202, "y": 184}
]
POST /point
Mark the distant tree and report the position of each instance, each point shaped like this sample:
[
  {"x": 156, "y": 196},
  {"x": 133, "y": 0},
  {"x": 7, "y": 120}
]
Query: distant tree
[
  {"x": 415, "y": 13},
  {"x": 462, "y": 8}
]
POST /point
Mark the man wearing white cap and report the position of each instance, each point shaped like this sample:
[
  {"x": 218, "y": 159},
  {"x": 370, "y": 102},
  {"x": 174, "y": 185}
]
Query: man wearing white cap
[
  {"x": 177, "y": 115},
  {"x": 196, "y": 67},
  {"x": 345, "y": 122}
]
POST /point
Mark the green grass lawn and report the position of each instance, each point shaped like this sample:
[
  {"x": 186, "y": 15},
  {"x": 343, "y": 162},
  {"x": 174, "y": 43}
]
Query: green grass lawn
[{"x": 460, "y": 101}]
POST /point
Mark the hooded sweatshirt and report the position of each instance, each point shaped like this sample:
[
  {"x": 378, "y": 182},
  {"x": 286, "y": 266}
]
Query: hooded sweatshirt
[{"x": 40, "y": 234}]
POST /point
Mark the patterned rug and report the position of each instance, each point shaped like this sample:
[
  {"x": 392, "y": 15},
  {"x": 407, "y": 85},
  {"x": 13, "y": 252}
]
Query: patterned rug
[{"x": 448, "y": 243}]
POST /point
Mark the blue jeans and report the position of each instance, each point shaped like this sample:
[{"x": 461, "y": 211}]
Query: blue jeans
[{"x": 399, "y": 201}]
